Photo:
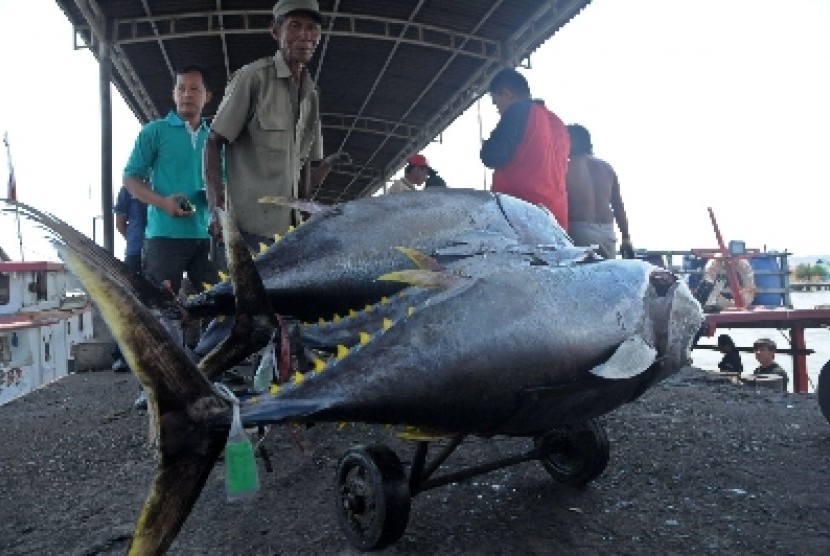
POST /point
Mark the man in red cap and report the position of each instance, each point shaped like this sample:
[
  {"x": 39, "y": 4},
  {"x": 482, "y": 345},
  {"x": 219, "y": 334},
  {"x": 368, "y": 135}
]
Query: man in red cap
[
  {"x": 414, "y": 175},
  {"x": 528, "y": 149}
]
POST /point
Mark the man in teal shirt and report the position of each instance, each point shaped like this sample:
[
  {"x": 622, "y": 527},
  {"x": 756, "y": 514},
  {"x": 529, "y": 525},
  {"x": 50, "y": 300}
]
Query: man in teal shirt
[{"x": 165, "y": 172}]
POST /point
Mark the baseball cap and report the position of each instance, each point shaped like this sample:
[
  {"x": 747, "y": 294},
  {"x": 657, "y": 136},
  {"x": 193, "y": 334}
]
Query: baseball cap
[
  {"x": 417, "y": 160},
  {"x": 311, "y": 7}
]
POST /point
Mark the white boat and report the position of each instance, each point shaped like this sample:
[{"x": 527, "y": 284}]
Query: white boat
[{"x": 41, "y": 322}]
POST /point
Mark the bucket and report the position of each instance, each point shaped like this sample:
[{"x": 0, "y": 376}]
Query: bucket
[{"x": 769, "y": 282}]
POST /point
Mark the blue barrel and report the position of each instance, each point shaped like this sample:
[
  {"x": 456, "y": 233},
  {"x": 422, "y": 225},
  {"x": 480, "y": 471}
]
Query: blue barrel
[{"x": 767, "y": 276}]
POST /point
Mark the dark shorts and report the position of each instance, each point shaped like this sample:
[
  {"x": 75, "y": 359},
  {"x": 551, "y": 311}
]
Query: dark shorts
[{"x": 169, "y": 258}]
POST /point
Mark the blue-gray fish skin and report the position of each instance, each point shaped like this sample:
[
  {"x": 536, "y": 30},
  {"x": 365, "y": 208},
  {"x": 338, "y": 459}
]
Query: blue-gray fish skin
[
  {"x": 330, "y": 264},
  {"x": 464, "y": 360}
]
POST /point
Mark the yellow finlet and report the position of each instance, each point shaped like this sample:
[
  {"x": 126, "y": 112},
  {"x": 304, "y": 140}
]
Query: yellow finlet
[
  {"x": 342, "y": 351},
  {"x": 342, "y": 425},
  {"x": 262, "y": 247},
  {"x": 384, "y": 300},
  {"x": 387, "y": 324},
  {"x": 365, "y": 338},
  {"x": 290, "y": 229},
  {"x": 275, "y": 389},
  {"x": 206, "y": 286},
  {"x": 321, "y": 321},
  {"x": 410, "y": 311},
  {"x": 223, "y": 277},
  {"x": 369, "y": 308},
  {"x": 297, "y": 378},
  {"x": 277, "y": 237},
  {"x": 335, "y": 318},
  {"x": 352, "y": 313},
  {"x": 319, "y": 365},
  {"x": 220, "y": 318}
]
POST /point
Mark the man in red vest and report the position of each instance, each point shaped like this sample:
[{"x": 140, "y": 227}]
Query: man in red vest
[{"x": 528, "y": 149}]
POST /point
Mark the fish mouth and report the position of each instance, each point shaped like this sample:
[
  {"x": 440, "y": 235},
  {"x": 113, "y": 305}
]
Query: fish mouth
[{"x": 677, "y": 316}]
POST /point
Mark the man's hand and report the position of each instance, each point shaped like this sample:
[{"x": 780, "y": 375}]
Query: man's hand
[{"x": 176, "y": 205}]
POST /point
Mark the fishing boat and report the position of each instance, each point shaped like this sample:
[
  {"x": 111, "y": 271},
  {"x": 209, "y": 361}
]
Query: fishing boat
[{"x": 42, "y": 320}]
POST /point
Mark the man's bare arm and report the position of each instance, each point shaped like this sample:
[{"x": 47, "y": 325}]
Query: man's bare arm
[
  {"x": 212, "y": 170},
  {"x": 618, "y": 208}
]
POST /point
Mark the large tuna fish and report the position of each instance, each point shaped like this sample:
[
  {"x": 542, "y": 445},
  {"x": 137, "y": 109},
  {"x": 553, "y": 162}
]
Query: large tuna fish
[
  {"x": 514, "y": 340},
  {"x": 329, "y": 264}
]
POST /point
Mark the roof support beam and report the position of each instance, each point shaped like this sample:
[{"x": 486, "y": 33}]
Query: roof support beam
[
  {"x": 239, "y": 22},
  {"x": 95, "y": 33},
  {"x": 351, "y": 122}
]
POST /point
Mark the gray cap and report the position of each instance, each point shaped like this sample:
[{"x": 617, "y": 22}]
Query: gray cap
[{"x": 311, "y": 7}]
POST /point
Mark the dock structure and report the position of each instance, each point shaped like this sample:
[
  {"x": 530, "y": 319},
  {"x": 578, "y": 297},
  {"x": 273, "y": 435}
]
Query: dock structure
[
  {"x": 809, "y": 286},
  {"x": 794, "y": 320},
  {"x": 770, "y": 308}
]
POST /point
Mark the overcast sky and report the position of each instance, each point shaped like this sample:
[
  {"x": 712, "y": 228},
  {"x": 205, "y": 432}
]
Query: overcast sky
[{"x": 704, "y": 103}]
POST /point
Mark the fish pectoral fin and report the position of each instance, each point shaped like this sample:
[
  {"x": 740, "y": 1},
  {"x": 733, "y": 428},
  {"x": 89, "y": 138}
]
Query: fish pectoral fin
[
  {"x": 430, "y": 279},
  {"x": 422, "y": 260},
  {"x": 631, "y": 358},
  {"x": 188, "y": 456},
  {"x": 290, "y": 202}
]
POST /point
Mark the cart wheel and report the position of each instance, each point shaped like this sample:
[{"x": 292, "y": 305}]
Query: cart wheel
[
  {"x": 575, "y": 455},
  {"x": 824, "y": 391},
  {"x": 373, "y": 499}
]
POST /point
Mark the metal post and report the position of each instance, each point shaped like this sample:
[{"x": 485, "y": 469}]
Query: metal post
[
  {"x": 12, "y": 181},
  {"x": 799, "y": 359},
  {"x": 105, "y": 76}
]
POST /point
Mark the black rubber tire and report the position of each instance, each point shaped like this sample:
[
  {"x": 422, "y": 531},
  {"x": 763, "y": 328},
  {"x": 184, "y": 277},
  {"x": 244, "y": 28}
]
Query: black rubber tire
[
  {"x": 372, "y": 497},
  {"x": 575, "y": 455},
  {"x": 823, "y": 391}
]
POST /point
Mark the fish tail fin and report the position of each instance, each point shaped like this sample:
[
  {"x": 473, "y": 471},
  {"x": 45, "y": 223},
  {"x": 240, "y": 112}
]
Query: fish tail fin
[
  {"x": 254, "y": 320},
  {"x": 191, "y": 419}
]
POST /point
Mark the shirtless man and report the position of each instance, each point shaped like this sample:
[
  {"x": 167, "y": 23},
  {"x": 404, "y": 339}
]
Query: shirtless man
[{"x": 594, "y": 200}]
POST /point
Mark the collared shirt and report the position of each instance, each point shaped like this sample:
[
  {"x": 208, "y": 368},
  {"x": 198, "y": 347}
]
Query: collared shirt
[
  {"x": 402, "y": 185},
  {"x": 168, "y": 155},
  {"x": 267, "y": 140},
  {"x": 136, "y": 213}
]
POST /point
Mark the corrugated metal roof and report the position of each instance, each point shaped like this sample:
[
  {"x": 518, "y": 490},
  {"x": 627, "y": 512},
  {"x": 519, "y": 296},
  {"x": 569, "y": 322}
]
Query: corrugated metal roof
[{"x": 392, "y": 74}]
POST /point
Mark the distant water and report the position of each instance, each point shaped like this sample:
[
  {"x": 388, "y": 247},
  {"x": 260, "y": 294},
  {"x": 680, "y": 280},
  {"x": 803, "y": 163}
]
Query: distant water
[{"x": 817, "y": 339}]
